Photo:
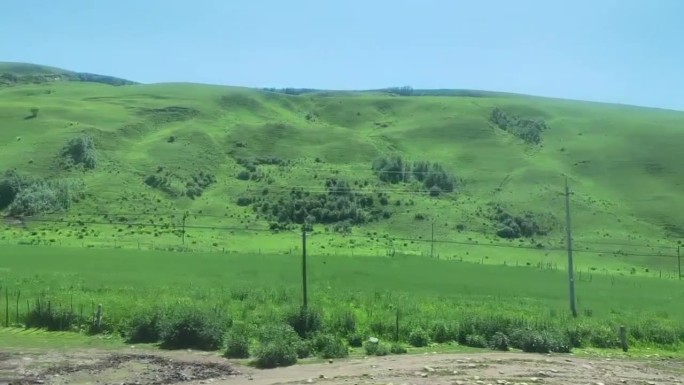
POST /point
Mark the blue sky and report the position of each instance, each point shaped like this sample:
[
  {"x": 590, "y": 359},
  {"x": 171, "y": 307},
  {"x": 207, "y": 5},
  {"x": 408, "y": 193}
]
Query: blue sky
[{"x": 627, "y": 51}]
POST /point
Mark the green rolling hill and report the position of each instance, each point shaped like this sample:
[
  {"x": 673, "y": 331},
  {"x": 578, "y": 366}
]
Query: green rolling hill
[{"x": 92, "y": 160}]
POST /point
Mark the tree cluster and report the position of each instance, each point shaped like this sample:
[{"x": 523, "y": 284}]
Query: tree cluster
[
  {"x": 434, "y": 178},
  {"x": 173, "y": 185},
  {"x": 24, "y": 196},
  {"x": 339, "y": 204},
  {"x": 512, "y": 226},
  {"x": 529, "y": 130}
]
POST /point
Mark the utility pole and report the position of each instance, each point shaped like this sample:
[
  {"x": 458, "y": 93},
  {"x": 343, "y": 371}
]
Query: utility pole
[
  {"x": 571, "y": 267},
  {"x": 679, "y": 262},
  {"x": 304, "y": 298},
  {"x": 432, "y": 241},
  {"x": 185, "y": 216}
]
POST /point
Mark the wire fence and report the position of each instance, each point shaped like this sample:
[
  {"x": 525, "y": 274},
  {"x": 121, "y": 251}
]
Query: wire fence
[{"x": 137, "y": 231}]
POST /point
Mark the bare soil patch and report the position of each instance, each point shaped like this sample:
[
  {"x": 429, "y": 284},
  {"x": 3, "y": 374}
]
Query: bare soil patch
[{"x": 163, "y": 368}]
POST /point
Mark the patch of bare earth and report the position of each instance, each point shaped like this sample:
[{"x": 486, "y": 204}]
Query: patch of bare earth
[{"x": 161, "y": 368}]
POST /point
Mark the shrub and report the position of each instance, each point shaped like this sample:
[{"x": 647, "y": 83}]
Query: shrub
[
  {"x": 440, "y": 333},
  {"x": 397, "y": 349},
  {"x": 355, "y": 340},
  {"x": 419, "y": 338},
  {"x": 305, "y": 321},
  {"x": 475, "y": 341},
  {"x": 328, "y": 346},
  {"x": 41, "y": 196},
  {"x": 278, "y": 347},
  {"x": 80, "y": 151},
  {"x": 499, "y": 341},
  {"x": 379, "y": 349},
  {"x": 345, "y": 323},
  {"x": 237, "y": 344},
  {"x": 143, "y": 327},
  {"x": 187, "y": 328},
  {"x": 604, "y": 337},
  {"x": 305, "y": 349},
  {"x": 532, "y": 341},
  {"x": 244, "y": 201},
  {"x": 244, "y": 175}
]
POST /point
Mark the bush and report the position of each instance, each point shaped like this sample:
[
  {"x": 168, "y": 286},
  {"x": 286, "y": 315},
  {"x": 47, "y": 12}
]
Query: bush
[
  {"x": 475, "y": 341},
  {"x": 191, "y": 328},
  {"x": 532, "y": 341},
  {"x": 237, "y": 344},
  {"x": 355, "y": 340},
  {"x": 278, "y": 347},
  {"x": 244, "y": 175},
  {"x": 345, "y": 323},
  {"x": 143, "y": 327},
  {"x": 499, "y": 341},
  {"x": 305, "y": 349},
  {"x": 604, "y": 337},
  {"x": 244, "y": 201},
  {"x": 419, "y": 338},
  {"x": 328, "y": 346},
  {"x": 398, "y": 349},
  {"x": 80, "y": 151},
  {"x": 40, "y": 196},
  {"x": 440, "y": 333},
  {"x": 379, "y": 349},
  {"x": 305, "y": 321}
]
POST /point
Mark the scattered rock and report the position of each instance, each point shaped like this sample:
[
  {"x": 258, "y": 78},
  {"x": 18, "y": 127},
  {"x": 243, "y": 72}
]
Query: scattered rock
[
  {"x": 429, "y": 369},
  {"x": 472, "y": 366}
]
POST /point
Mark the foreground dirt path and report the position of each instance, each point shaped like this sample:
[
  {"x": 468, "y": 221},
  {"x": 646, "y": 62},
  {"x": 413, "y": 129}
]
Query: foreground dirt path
[{"x": 188, "y": 368}]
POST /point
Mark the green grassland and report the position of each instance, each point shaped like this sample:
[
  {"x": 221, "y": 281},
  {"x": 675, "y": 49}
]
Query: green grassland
[
  {"x": 622, "y": 164},
  {"x": 199, "y": 169},
  {"x": 257, "y": 290}
]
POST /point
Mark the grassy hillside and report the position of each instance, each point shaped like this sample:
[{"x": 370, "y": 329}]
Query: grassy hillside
[{"x": 162, "y": 150}]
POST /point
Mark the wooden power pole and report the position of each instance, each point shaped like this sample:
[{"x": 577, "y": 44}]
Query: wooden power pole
[
  {"x": 304, "y": 293},
  {"x": 571, "y": 267},
  {"x": 432, "y": 241},
  {"x": 679, "y": 262}
]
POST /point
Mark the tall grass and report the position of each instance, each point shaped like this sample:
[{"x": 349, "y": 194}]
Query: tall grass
[{"x": 437, "y": 301}]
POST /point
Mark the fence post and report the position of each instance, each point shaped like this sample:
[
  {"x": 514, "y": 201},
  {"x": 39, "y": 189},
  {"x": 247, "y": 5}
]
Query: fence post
[
  {"x": 18, "y": 296},
  {"x": 623, "y": 338}
]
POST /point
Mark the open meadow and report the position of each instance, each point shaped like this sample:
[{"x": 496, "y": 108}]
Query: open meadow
[{"x": 171, "y": 215}]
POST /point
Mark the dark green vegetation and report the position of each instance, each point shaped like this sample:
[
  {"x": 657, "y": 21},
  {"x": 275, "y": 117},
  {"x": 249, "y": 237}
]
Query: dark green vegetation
[{"x": 249, "y": 305}]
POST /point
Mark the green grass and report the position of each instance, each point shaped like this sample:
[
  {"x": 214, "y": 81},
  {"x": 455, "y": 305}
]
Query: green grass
[
  {"x": 622, "y": 163},
  {"x": 113, "y": 246},
  {"x": 262, "y": 289}
]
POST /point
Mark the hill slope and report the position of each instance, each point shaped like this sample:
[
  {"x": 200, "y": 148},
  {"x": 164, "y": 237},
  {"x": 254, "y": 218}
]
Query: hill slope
[
  {"x": 12, "y": 74},
  {"x": 228, "y": 156}
]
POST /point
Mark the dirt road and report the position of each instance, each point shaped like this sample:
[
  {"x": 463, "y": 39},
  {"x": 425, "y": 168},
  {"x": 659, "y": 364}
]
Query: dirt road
[{"x": 189, "y": 368}]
